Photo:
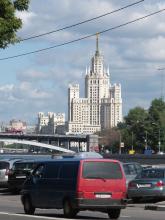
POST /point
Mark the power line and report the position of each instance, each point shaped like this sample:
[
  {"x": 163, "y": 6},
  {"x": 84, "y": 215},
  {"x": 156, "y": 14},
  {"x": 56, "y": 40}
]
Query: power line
[
  {"x": 82, "y": 38},
  {"x": 82, "y": 22}
]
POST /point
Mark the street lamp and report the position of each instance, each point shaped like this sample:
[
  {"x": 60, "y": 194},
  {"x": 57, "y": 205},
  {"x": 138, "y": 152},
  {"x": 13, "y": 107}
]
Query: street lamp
[{"x": 146, "y": 140}]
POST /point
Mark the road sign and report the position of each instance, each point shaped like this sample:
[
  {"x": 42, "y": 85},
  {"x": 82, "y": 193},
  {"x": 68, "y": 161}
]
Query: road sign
[{"x": 122, "y": 144}]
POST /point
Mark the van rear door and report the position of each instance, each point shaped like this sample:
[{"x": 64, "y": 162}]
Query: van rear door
[{"x": 101, "y": 179}]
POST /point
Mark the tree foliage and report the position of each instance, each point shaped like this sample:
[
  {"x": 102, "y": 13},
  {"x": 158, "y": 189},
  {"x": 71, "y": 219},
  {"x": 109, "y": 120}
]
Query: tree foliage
[
  {"x": 144, "y": 128},
  {"x": 109, "y": 140},
  {"x": 141, "y": 128},
  {"x": 9, "y": 23}
]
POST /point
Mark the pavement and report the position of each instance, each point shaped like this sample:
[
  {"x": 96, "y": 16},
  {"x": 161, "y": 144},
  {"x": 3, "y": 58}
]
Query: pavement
[{"x": 159, "y": 206}]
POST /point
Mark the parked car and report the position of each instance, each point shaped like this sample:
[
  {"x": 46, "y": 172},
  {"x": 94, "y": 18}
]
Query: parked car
[
  {"x": 150, "y": 183},
  {"x": 19, "y": 172},
  {"x": 76, "y": 184},
  {"x": 131, "y": 170},
  {"x": 5, "y": 166}
]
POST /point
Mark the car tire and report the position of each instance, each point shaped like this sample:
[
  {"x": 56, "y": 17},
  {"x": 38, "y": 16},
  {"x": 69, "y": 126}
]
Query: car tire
[
  {"x": 114, "y": 213},
  {"x": 69, "y": 211},
  {"x": 28, "y": 207}
]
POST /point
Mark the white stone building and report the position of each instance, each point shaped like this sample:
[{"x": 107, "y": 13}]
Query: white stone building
[
  {"x": 102, "y": 106},
  {"x": 48, "y": 124}
]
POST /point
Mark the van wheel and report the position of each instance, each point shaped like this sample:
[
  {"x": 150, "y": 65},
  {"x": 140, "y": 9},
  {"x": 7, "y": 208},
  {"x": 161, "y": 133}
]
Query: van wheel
[
  {"x": 69, "y": 211},
  {"x": 28, "y": 207},
  {"x": 114, "y": 213}
]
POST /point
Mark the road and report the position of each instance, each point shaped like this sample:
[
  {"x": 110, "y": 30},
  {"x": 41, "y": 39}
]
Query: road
[{"x": 12, "y": 209}]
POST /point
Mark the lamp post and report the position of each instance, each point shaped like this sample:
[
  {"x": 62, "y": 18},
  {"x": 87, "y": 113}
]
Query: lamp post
[
  {"x": 132, "y": 140},
  {"x": 159, "y": 143},
  {"x": 119, "y": 142}
]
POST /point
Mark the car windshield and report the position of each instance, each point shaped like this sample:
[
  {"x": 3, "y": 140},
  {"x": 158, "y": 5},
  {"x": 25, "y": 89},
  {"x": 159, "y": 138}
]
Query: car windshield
[
  {"x": 101, "y": 170},
  {"x": 151, "y": 173},
  {"x": 132, "y": 168}
]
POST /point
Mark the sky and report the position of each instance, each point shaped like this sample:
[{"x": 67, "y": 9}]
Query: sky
[{"x": 39, "y": 82}]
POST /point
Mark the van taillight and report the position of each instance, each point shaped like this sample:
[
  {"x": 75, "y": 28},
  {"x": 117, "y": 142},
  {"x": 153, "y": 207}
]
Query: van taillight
[
  {"x": 160, "y": 184},
  {"x": 80, "y": 194}
]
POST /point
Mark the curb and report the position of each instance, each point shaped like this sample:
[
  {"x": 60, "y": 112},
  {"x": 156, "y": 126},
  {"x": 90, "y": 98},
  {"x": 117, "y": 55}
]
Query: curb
[{"x": 155, "y": 207}]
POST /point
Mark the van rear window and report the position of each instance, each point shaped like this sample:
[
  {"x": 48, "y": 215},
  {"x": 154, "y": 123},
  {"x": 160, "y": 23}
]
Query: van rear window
[
  {"x": 100, "y": 170},
  {"x": 4, "y": 165}
]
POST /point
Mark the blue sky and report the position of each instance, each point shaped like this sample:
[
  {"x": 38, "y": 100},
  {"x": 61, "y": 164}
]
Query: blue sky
[{"x": 39, "y": 82}]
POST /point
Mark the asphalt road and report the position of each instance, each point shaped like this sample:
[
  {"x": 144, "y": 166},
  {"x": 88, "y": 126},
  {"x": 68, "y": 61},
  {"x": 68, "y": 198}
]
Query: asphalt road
[{"x": 12, "y": 209}]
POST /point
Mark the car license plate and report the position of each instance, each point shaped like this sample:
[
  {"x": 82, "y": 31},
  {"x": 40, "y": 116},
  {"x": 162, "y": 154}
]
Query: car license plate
[
  {"x": 20, "y": 177},
  {"x": 103, "y": 196},
  {"x": 147, "y": 185}
]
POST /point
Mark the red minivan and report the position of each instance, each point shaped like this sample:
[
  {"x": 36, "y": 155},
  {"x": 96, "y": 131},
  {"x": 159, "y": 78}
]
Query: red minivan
[{"x": 76, "y": 184}]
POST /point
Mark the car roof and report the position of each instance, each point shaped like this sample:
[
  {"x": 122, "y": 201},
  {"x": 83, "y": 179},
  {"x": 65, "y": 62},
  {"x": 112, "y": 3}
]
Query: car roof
[
  {"x": 154, "y": 168},
  {"x": 10, "y": 159},
  {"x": 77, "y": 160},
  {"x": 131, "y": 163},
  {"x": 37, "y": 160}
]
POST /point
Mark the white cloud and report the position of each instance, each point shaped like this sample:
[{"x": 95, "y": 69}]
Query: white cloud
[
  {"x": 26, "y": 18},
  {"x": 31, "y": 75}
]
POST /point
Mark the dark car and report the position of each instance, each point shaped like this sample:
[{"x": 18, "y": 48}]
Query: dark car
[
  {"x": 19, "y": 172},
  {"x": 150, "y": 183}
]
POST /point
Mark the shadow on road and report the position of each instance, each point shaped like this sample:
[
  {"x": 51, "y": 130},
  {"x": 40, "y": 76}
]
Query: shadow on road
[
  {"x": 6, "y": 192},
  {"x": 54, "y": 215}
]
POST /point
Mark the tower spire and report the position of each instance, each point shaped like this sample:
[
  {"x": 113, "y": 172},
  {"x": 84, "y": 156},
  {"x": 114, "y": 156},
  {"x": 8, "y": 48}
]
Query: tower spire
[{"x": 97, "y": 43}]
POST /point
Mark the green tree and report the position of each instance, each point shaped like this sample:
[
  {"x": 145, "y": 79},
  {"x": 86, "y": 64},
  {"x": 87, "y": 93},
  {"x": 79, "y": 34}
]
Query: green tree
[
  {"x": 137, "y": 126},
  {"x": 157, "y": 123},
  {"x": 9, "y": 23},
  {"x": 109, "y": 139},
  {"x": 144, "y": 128}
]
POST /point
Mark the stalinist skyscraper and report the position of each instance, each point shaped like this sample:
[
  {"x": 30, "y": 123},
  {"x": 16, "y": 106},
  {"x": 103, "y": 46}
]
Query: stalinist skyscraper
[{"x": 102, "y": 106}]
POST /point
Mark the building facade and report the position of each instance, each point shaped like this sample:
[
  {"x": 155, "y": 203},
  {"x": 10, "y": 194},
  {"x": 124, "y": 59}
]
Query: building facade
[
  {"x": 16, "y": 126},
  {"x": 102, "y": 106},
  {"x": 48, "y": 124}
]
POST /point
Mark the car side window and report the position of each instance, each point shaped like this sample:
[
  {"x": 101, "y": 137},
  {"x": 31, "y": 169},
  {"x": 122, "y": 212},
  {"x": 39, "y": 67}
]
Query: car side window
[
  {"x": 39, "y": 171},
  {"x": 4, "y": 165}
]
